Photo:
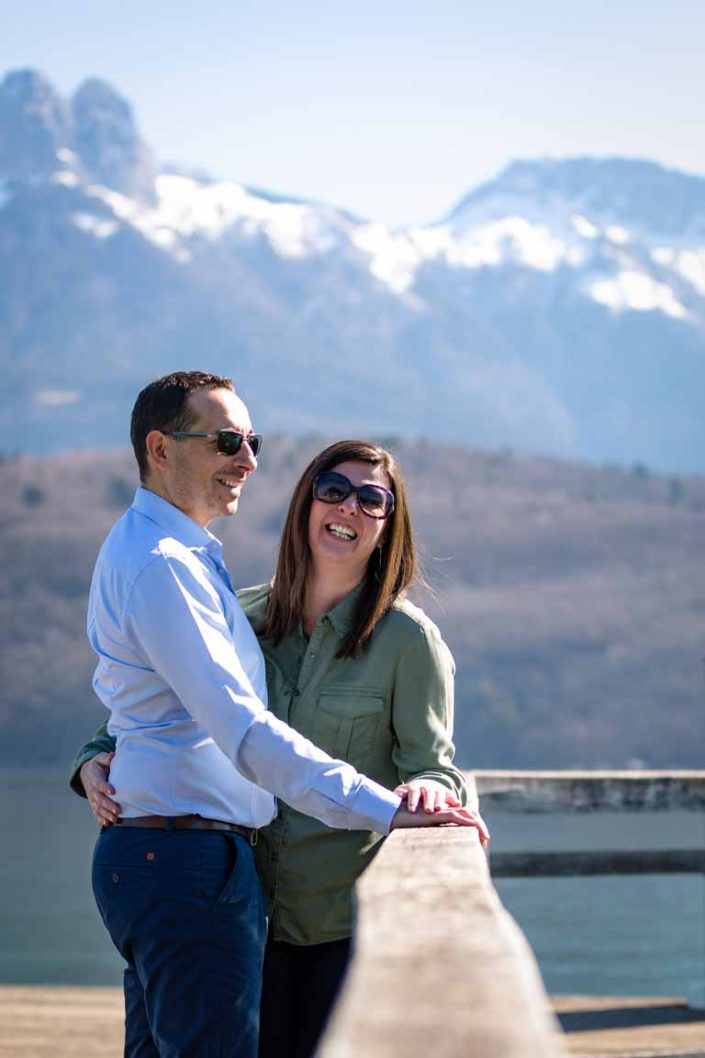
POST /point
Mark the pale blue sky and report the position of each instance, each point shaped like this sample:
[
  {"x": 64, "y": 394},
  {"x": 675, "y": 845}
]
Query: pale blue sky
[{"x": 390, "y": 109}]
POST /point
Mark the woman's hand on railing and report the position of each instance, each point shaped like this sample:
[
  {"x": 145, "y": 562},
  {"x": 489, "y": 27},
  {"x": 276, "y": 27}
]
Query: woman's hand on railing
[
  {"x": 430, "y": 794},
  {"x": 94, "y": 776}
]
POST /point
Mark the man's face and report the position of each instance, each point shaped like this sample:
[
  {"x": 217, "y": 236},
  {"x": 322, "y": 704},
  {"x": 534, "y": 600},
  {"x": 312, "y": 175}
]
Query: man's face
[{"x": 196, "y": 477}]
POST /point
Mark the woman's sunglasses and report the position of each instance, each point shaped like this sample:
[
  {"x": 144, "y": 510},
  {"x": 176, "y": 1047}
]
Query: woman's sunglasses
[
  {"x": 373, "y": 500},
  {"x": 228, "y": 442}
]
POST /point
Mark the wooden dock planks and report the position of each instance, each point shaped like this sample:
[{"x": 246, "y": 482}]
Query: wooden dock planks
[{"x": 66, "y": 1022}]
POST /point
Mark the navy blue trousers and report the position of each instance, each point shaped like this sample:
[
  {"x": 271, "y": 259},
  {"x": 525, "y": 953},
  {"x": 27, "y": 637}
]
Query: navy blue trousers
[{"x": 186, "y": 911}]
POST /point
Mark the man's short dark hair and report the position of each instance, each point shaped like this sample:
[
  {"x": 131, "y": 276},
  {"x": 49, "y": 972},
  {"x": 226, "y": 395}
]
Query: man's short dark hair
[{"x": 163, "y": 405}]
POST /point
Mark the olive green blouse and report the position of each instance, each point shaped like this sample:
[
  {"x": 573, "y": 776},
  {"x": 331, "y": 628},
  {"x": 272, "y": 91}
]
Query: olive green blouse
[{"x": 388, "y": 711}]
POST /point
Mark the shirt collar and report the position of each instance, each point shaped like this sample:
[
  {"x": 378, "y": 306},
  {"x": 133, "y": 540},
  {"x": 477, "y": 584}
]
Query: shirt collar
[
  {"x": 341, "y": 616},
  {"x": 175, "y": 522}
]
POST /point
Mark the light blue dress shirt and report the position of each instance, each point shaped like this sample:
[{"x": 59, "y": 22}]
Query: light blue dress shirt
[{"x": 182, "y": 674}]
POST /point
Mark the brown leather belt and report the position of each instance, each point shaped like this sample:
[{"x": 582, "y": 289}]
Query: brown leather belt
[{"x": 188, "y": 823}]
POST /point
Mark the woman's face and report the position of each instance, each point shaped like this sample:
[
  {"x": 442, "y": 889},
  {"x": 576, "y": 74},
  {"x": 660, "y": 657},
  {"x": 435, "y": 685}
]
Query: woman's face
[{"x": 342, "y": 534}]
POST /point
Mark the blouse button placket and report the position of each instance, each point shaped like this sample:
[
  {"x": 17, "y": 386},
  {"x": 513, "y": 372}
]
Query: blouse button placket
[{"x": 312, "y": 652}]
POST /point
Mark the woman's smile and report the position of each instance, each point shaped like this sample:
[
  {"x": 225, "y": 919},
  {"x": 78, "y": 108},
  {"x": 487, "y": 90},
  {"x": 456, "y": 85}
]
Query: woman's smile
[{"x": 340, "y": 531}]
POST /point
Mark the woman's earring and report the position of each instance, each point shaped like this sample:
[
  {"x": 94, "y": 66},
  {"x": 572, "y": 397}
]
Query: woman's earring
[{"x": 378, "y": 571}]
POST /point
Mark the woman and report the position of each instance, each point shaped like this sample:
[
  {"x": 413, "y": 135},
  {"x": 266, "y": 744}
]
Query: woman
[{"x": 366, "y": 676}]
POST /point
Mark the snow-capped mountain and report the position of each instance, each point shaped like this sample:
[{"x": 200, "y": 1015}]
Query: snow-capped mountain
[{"x": 557, "y": 308}]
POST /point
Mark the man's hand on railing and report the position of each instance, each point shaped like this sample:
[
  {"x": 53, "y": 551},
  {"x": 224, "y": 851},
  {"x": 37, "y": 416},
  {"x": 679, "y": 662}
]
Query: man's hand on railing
[{"x": 462, "y": 817}]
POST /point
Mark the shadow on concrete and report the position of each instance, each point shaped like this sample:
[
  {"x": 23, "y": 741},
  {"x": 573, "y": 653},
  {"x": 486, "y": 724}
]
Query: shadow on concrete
[{"x": 628, "y": 1017}]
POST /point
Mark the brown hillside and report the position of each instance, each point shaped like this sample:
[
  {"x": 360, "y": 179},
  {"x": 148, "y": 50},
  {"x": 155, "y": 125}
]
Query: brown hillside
[{"x": 573, "y": 597}]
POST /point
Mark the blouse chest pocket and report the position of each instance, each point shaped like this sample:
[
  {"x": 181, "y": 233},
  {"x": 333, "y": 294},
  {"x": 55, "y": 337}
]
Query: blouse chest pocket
[{"x": 346, "y": 722}]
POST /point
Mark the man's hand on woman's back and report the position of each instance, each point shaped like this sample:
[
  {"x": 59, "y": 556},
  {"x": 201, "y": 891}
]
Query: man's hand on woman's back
[{"x": 94, "y": 776}]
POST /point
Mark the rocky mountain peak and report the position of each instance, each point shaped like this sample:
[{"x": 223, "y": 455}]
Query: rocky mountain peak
[
  {"x": 107, "y": 141},
  {"x": 35, "y": 124},
  {"x": 95, "y": 135},
  {"x": 640, "y": 195}
]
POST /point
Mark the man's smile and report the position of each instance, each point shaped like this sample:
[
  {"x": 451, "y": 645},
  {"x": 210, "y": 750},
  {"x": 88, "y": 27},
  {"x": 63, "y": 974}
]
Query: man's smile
[{"x": 231, "y": 482}]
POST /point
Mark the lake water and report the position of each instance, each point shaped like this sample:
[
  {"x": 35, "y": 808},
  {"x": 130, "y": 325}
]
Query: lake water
[{"x": 638, "y": 935}]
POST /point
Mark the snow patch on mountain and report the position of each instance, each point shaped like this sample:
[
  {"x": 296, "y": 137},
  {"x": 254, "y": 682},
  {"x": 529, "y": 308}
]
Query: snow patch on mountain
[
  {"x": 610, "y": 253},
  {"x": 584, "y": 227},
  {"x": 147, "y": 221},
  {"x": 613, "y": 259},
  {"x": 68, "y": 157},
  {"x": 293, "y": 229},
  {"x": 187, "y": 209},
  {"x": 616, "y": 234},
  {"x": 689, "y": 264},
  {"x": 638, "y": 291},
  {"x": 65, "y": 178},
  {"x": 394, "y": 256},
  {"x": 511, "y": 239},
  {"x": 88, "y": 222}
]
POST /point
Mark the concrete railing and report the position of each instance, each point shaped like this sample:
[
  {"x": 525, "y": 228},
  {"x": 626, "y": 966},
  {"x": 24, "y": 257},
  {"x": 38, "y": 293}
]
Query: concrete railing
[{"x": 439, "y": 967}]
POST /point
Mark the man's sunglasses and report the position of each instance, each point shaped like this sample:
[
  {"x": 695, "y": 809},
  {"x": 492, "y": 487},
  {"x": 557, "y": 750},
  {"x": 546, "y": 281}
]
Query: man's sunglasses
[
  {"x": 373, "y": 500},
  {"x": 228, "y": 442}
]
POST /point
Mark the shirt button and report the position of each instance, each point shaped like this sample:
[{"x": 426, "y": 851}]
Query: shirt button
[{"x": 116, "y": 878}]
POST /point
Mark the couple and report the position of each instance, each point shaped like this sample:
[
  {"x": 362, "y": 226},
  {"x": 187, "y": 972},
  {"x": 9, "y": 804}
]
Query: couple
[{"x": 186, "y": 670}]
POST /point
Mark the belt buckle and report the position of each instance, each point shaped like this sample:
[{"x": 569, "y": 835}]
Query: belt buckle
[{"x": 252, "y": 838}]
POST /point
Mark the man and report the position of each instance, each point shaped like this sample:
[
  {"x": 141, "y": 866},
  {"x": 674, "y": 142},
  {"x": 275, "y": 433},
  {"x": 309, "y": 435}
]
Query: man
[{"x": 198, "y": 754}]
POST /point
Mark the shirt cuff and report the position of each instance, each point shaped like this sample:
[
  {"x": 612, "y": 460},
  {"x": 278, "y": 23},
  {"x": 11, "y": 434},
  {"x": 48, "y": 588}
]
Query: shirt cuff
[{"x": 377, "y": 804}]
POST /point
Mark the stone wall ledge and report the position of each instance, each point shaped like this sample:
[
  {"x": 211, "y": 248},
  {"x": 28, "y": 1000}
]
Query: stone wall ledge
[{"x": 582, "y": 790}]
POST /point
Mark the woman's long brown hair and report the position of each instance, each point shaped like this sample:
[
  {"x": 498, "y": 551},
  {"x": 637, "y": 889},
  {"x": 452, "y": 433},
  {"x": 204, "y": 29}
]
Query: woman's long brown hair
[{"x": 390, "y": 570}]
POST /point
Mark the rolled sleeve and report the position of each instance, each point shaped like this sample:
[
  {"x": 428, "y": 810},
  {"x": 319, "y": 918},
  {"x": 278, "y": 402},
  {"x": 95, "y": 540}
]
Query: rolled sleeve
[
  {"x": 422, "y": 712},
  {"x": 102, "y": 742}
]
